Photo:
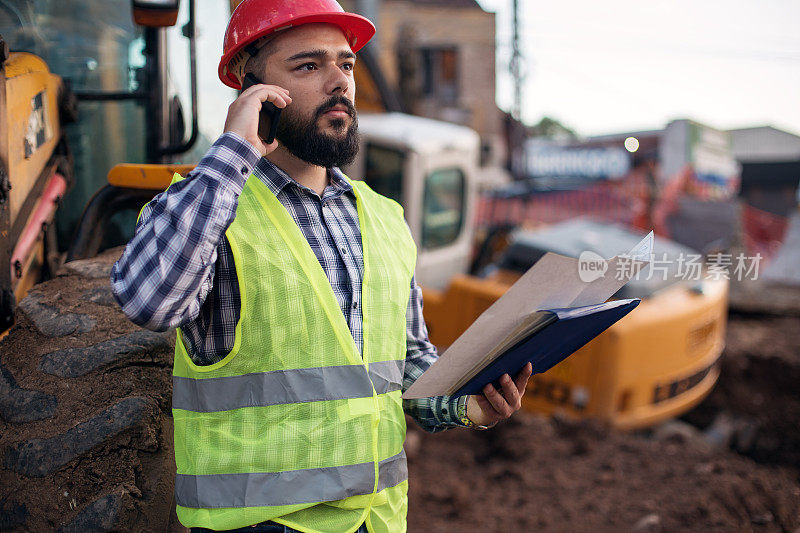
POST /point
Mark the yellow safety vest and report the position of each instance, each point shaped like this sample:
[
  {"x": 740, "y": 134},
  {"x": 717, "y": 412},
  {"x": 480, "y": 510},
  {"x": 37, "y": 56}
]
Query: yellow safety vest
[{"x": 294, "y": 425}]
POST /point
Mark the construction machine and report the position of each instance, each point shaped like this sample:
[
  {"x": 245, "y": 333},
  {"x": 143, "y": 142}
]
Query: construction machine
[
  {"x": 36, "y": 170},
  {"x": 86, "y": 62},
  {"x": 654, "y": 364}
]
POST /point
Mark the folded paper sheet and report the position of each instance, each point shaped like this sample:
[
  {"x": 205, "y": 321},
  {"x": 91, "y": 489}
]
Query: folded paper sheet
[{"x": 554, "y": 281}]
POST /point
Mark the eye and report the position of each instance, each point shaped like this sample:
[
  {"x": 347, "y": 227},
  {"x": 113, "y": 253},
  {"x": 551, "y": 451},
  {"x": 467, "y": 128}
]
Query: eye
[
  {"x": 307, "y": 67},
  {"x": 348, "y": 66}
]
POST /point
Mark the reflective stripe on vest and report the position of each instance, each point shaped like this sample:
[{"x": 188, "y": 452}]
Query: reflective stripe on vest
[
  {"x": 285, "y": 386},
  {"x": 289, "y": 487}
]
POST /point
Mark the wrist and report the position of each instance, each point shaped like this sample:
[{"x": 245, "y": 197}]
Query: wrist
[
  {"x": 471, "y": 415},
  {"x": 245, "y": 146}
]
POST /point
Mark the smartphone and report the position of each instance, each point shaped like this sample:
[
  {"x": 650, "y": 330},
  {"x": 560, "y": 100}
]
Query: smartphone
[{"x": 270, "y": 113}]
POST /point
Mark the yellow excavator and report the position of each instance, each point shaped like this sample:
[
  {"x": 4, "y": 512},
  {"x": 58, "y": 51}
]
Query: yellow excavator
[
  {"x": 656, "y": 363},
  {"x": 36, "y": 170}
]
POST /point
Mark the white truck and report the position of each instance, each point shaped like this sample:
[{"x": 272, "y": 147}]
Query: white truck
[{"x": 431, "y": 168}]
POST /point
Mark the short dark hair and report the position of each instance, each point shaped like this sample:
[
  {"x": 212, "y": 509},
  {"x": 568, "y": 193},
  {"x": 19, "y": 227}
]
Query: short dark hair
[{"x": 257, "y": 63}]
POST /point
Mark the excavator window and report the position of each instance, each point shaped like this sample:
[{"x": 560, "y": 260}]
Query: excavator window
[
  {"x": 92, "y": 45},
  {"x": 443, "y": 207}
]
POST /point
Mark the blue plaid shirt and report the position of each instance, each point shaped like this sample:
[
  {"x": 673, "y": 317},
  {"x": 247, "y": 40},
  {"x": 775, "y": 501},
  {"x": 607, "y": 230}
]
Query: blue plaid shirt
[{"x": 178, "y": 270}]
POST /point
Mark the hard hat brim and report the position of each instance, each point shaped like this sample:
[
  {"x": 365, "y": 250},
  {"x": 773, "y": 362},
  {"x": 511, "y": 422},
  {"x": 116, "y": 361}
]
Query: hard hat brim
[{"x": 357, "y": 30}]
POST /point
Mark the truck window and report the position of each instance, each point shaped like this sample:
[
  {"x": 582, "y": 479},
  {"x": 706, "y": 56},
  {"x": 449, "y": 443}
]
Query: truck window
[
  {"x": 443, "y": 207},
  {"x": 383, "y": 171}
]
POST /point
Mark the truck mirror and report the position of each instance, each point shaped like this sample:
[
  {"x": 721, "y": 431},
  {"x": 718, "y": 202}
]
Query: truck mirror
[{"x": 155, "y": 13}]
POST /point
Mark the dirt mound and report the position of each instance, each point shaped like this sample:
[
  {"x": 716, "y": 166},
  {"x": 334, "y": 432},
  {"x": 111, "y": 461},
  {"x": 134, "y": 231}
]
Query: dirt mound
[
  {"x": 554, "y": 475},
  {"x": 531, "y": 474},
  {"x": 759, "y": 385}
]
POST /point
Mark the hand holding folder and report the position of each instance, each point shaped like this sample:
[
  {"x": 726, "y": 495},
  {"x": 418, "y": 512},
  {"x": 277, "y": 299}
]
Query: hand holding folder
[{"x": 547, "y": 315}]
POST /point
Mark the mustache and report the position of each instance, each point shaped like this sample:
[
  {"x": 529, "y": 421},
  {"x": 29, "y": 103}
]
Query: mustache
[{"x": 331, "y": 103}]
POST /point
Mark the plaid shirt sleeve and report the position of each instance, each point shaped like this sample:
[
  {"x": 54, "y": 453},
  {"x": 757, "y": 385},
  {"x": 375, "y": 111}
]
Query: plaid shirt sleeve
[
  {"x": 166, "y": 270},
  {"x": 439, "y": 412}
]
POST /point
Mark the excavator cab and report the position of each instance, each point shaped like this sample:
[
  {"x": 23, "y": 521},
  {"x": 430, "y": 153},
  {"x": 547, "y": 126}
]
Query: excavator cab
[{"x": 86, "y": 84}]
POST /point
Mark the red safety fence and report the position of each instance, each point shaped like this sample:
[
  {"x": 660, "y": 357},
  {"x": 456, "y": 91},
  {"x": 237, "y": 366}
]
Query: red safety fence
[
  {"x": 762, "y": 232},
  {"x": 627, "y": 202},
  {"x": 611, "y": 201},
  {"x": 553, "y": 207}
]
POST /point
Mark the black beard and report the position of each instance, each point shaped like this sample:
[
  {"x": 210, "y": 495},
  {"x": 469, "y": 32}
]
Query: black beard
[{"x": 304, "y": 140}]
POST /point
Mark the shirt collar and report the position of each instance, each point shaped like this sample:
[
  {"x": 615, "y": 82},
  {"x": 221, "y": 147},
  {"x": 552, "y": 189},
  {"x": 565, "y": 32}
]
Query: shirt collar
[{"x": 276, "y": 179}]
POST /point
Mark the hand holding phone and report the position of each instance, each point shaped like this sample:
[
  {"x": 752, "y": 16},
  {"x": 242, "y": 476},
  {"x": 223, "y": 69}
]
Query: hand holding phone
[
  {"x": 269, "y": 115},
  {"x": 244, "y": 119}
]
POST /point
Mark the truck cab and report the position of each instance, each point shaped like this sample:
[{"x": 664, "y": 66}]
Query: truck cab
[{"x": 431, "y": 168}]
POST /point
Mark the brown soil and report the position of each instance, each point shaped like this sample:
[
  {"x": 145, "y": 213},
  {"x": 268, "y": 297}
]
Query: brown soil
[
  {"x": 761, "y": 384},
  {"x": 533, "y": 474}
]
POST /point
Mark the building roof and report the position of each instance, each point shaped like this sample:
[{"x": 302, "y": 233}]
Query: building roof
[
  {"x": 621, "y": 136},
  {"x": 763, "y": 128},
  {"x": 765, "y": 144}
]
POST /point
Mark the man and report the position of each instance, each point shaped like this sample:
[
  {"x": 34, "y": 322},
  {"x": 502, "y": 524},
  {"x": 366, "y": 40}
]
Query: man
[{"x": 299, "y": 320}]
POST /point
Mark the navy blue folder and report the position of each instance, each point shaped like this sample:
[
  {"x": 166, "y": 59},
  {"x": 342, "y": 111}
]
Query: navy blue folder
[{"x": 562, "y": 334}]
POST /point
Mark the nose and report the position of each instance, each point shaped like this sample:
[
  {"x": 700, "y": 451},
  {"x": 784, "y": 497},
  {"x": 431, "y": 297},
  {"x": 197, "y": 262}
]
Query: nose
[{"x": 338, "y": 81}]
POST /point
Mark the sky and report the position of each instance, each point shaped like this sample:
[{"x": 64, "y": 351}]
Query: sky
[{"x": 612, "y": 66}]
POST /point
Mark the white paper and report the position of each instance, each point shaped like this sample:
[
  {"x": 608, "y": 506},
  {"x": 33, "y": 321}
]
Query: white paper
[{"x": 552, "y": 282}]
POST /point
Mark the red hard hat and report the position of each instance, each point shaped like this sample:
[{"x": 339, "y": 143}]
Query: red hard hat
[{"x": 254, "y": 19}]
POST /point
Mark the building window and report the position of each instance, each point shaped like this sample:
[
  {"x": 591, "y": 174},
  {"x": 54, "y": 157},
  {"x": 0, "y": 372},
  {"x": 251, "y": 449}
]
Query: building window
[
  {"x": 440, "y": 73},
  {"x": 442, "y": 207}
]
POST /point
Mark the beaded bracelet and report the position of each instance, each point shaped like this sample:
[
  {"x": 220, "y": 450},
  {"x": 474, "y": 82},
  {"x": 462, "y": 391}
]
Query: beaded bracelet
[{"x": 462, "y": 416}]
